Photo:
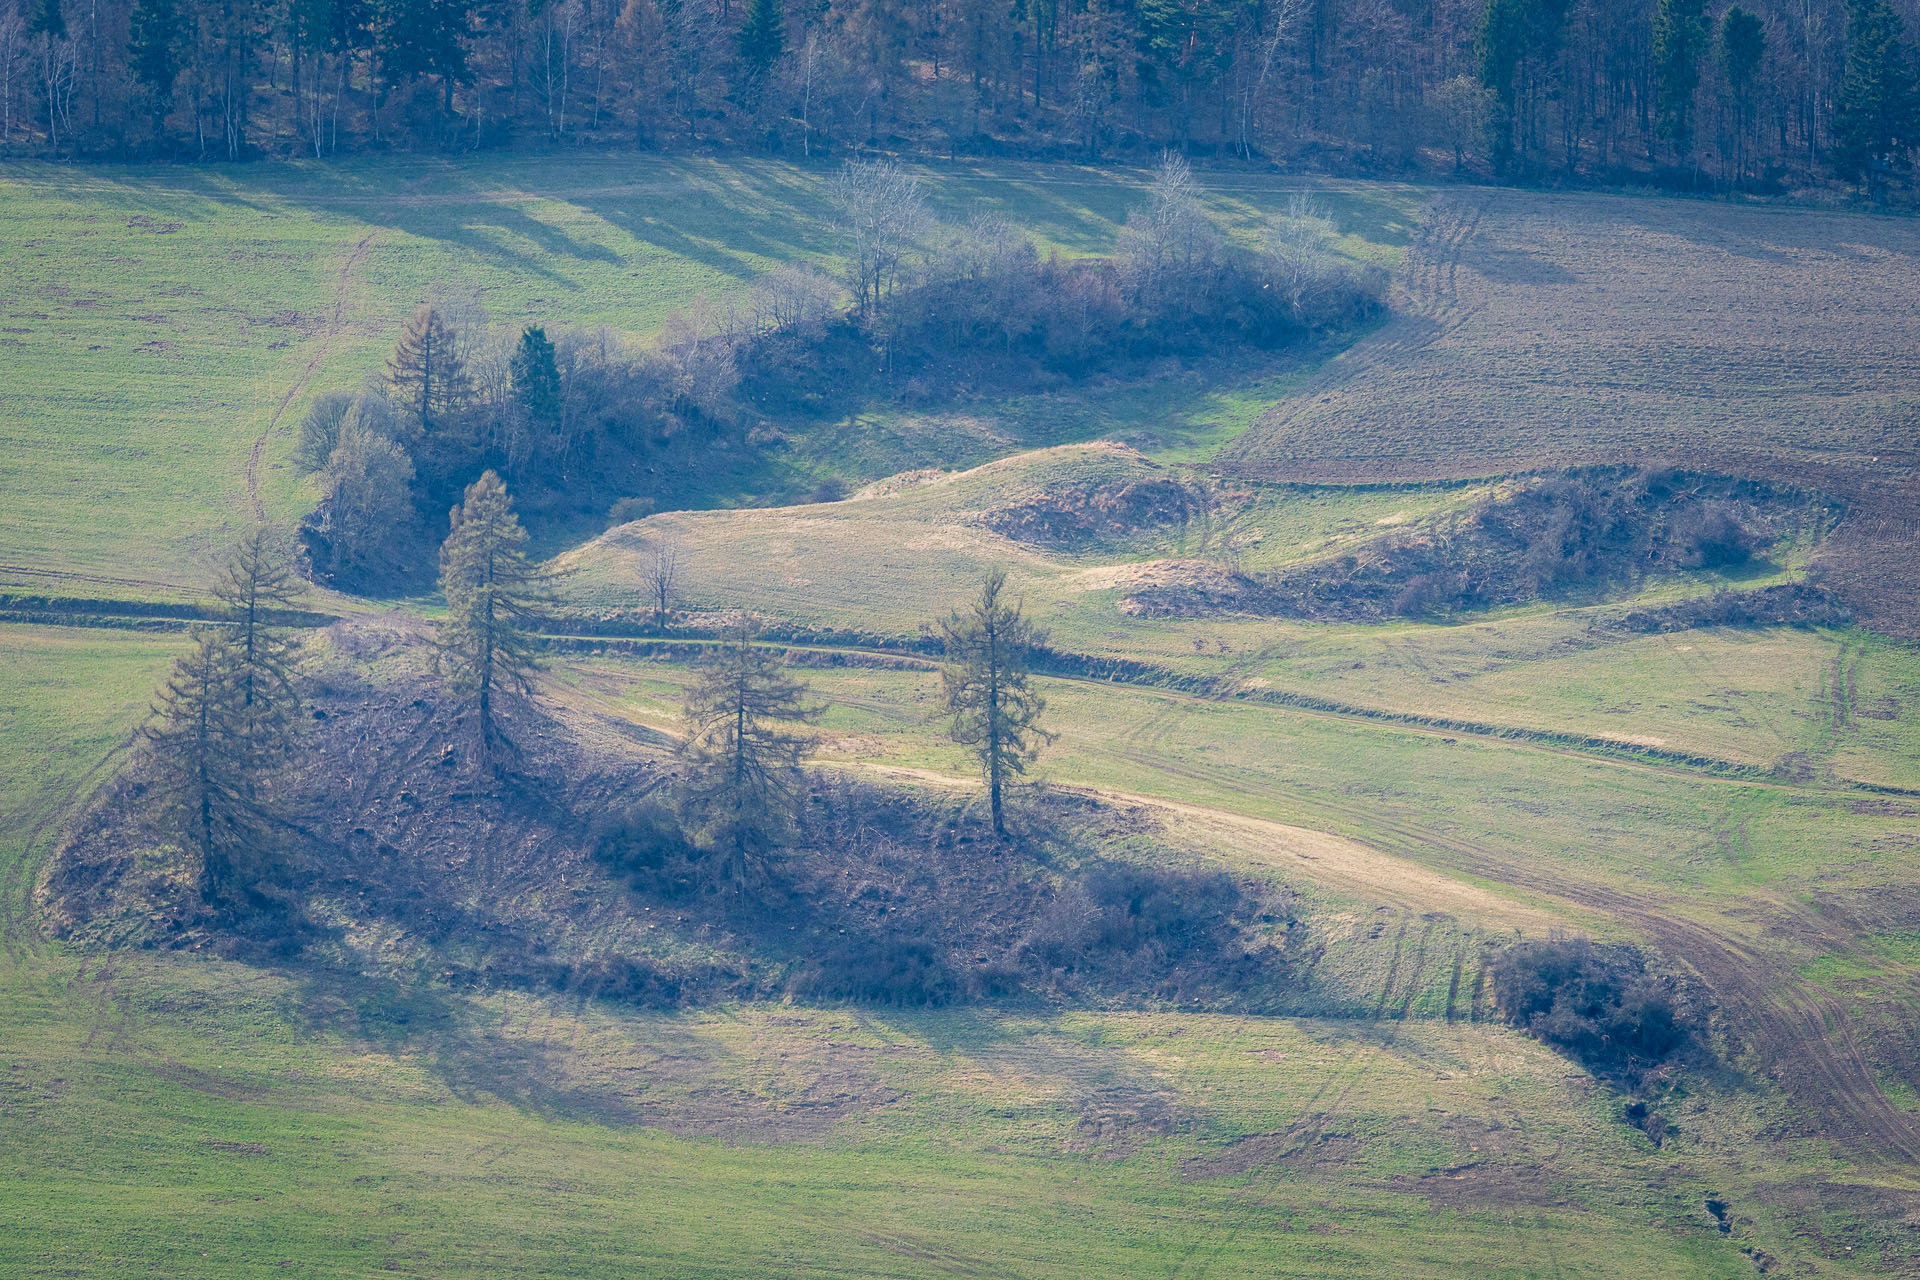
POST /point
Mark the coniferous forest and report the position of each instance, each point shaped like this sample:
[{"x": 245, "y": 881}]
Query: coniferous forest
[{"x": 1761, "y": 96}]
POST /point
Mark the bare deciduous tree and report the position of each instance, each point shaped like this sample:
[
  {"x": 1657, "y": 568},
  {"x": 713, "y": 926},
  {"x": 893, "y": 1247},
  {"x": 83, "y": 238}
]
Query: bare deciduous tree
[
  {"x": 1169, "y": 241},
  {"x": 880, "y": 210},
  {"x": 791, "y": 299},
  {"x": 1299, "y": 246},
  {"x": 660, "y": 575}
]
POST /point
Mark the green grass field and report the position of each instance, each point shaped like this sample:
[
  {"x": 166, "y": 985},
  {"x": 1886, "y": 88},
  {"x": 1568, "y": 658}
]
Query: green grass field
[
  {"x": 165, "y": 321},
  {"x": 168, "y": 1115},
  {"x": 173, "y": 1114}
]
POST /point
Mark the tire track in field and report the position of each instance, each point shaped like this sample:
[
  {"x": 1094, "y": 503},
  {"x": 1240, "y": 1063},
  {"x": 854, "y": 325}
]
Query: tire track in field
[
  {"x": 16, "y": 905},
  {"x": 1427, "y": 307},
  {"x": 1800, "y": 1033},
  {"x": 335, "y": 323}
]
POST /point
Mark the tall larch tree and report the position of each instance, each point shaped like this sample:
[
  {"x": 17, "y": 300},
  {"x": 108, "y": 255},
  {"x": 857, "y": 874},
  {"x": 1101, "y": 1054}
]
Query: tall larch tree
[
  {"x": 989, "y": 692},
  {"x": 257, "y": 589},
  {"x": 495, "y": 596},
  {"x": 744, "y": 756},
  {"x": 426, "y": 370},
  {"x": 212, "y": 761}
]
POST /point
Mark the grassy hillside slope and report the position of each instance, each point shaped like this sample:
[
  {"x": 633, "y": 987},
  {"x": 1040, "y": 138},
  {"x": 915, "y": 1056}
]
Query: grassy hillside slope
[{"x": 168, "y": 325}]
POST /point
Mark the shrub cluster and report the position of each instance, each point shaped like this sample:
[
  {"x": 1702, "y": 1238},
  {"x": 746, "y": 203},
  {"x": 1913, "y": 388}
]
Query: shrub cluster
[
  {"x": 1554, "y": 537},
  {"x": 1597, "y": 1003},
  {"x": 587, "y": 425}
]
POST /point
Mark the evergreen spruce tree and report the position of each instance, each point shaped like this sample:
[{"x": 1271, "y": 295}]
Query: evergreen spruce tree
[
  {"x": 745, "y": 777},
  {"x": 495, "y": 594},
  {"x": 536, "y": 377},
  {"x": 1679, "y": 32},
  {"x": 212, "y": 758},
  {"x": 1741, "y": 50},
  {"x": 48, "y": 18},
  {"x": 1874, "y": 117},
  {"x": 153, "y": 56},
  {"x": 426, "y": 38},
  {"x": 426, "y": 370},
  {"x": 762, "y": 42},
  {"x": 995, "y": 709}
]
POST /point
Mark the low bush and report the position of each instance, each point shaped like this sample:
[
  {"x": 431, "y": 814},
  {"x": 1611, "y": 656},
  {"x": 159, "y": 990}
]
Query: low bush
[
  {"x": 647, "y": 847},
  {"x": 1597, "y": 1003},
  {"x": 886, "y": 971}
]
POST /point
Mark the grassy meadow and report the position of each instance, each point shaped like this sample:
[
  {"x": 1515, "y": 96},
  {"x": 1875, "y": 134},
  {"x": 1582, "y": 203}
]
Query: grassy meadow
[
  {"x": 165, "y": 321},
  {"x": 175, "y": 1115},
  {"x": 1432, "y": 792}
]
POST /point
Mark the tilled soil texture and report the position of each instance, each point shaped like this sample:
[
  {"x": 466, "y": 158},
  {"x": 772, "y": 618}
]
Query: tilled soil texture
[{"x": 1535, "y": 330}]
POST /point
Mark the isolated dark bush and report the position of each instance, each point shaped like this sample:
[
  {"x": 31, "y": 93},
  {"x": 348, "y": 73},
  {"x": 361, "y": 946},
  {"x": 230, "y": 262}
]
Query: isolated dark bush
[
  {"x": 648, "y": 848},
  {"x": 1149, "y": 917},
  {"x": 1710, "y": 536},
  {"x": 627, "y": 979},
  {"x": 1597, "y": 1003}
]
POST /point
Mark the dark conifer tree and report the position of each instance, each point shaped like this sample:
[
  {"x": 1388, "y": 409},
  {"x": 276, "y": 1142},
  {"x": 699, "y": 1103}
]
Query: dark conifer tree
[
  {"x": 421, "y": 38},
  {"x": 1875, "y": 115},
  {"x": 536, "y": 377},
  {"x": 153, "y": 56},
  {"x": 762, "y": 42},
  {"x": 1679, "y": 34}
]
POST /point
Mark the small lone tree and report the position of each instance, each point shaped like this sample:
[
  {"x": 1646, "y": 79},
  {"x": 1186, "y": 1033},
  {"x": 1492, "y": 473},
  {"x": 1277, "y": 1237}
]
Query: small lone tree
[
  {"x": 995, "y": 709},
  {"x": 745, "y": 759},
  {"x": 426, "y": 369},
  {"x": 660, "y": 575},
  {"x": 257, "y": 584},
  {"x": 494, "y": 594},
  {"x": 212, "y": 756}
]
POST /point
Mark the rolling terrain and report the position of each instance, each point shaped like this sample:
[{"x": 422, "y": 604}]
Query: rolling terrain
[
  {"x": 1743, "y": 801},
  {"x": 1542, "y": 330}
]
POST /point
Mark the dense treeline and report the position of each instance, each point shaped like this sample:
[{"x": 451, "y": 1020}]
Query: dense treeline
[
  {"x": 1762, "y": 92},
  {"x": 586, "y": 425}
]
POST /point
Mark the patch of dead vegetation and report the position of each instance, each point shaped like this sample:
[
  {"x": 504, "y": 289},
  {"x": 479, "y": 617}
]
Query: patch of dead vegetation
[
  {"x": 1090, "y": 515},
  {"x": 1565, "y": 535},
  {"x": 401, "y": 855}
]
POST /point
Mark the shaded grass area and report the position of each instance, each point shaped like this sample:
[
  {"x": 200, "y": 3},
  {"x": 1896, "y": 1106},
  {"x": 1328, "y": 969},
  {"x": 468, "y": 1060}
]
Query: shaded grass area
[
  {"x": 168, "y": 1115},
  {"x": 162, "y": 316}
]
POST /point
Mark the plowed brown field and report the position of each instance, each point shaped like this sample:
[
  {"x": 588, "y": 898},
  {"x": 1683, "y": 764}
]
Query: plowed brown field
[{"x": 1542, "y": 330}]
